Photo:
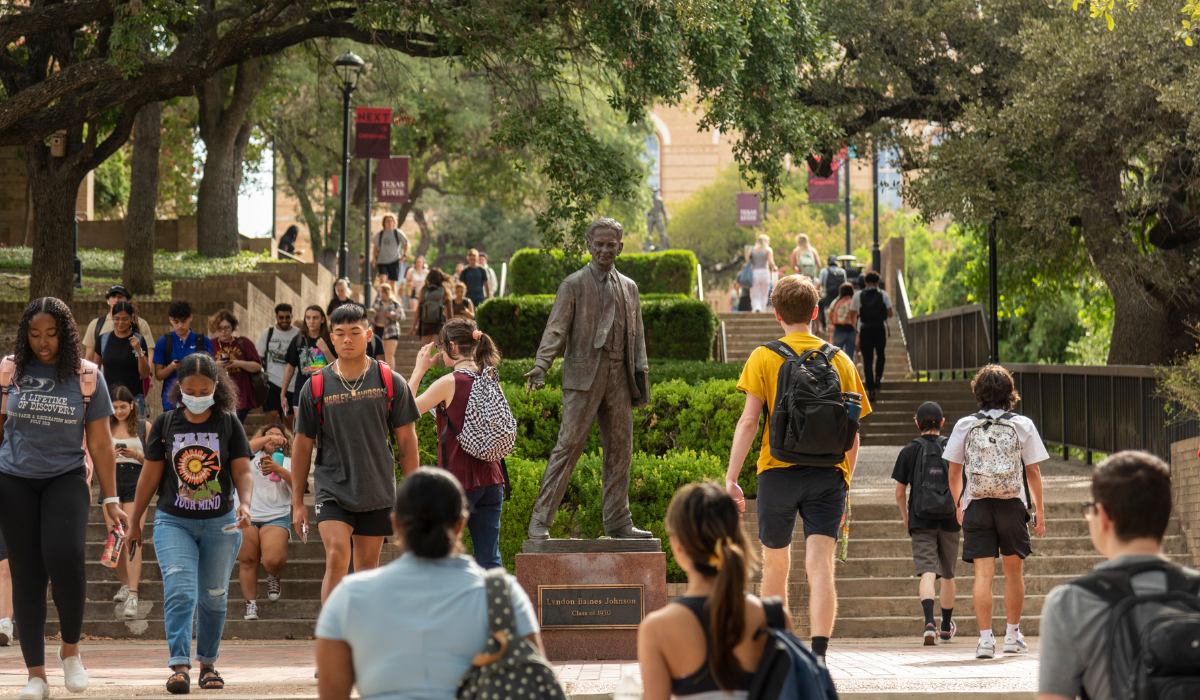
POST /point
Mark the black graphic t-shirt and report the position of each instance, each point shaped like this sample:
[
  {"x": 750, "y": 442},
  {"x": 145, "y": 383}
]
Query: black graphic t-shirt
[{"x": 197, "y": 480}]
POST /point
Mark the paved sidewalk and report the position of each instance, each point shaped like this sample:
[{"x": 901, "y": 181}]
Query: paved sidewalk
[{"x": 860, "y": 667}]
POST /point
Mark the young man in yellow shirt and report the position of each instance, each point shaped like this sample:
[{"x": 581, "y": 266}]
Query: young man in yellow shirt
[{"x": 817, "y": 494}]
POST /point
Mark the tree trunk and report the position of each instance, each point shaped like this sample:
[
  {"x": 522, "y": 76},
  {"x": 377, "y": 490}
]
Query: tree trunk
[
  {"x": 54, "y": 185},
  {"x": 138, "y": 270},
  {"x": 226, "y": 133}
]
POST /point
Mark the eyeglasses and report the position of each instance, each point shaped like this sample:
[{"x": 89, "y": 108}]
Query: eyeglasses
[
  {"x": 1087, "y": 508},
  {"x": 225, "y": 327}
]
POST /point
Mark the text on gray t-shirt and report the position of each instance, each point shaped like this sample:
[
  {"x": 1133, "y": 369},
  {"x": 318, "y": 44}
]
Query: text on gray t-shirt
[{"x": 392, "y": 244}]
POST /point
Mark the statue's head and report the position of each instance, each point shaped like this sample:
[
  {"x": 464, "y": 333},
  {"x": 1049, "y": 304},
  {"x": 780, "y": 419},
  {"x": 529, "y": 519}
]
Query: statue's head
[{"x": 604, "y": 242}]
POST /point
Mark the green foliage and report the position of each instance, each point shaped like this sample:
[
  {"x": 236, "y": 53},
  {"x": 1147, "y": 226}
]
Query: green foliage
[
  {"x": 183, "y": 264},
  {"x": 513, "y": 371},
  {"x": 1179, "y": 383},
  {"x": 676, "y": 328},
  {"x": 112, "y": 186},
  {"x": 534, "y": 271}
]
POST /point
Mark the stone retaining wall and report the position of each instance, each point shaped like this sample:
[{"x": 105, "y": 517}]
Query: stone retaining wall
[{"x": 1185, "y": 491}]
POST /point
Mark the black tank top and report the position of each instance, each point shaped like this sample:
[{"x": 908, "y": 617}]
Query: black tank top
[{"x": 702, "y": 680}]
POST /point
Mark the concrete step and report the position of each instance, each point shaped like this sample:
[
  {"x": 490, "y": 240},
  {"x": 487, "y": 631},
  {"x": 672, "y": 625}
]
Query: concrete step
[
  {"x": 152, "y": 609},
  {"x": 296, "y": 550},
  {"x": 294, "y": 589},
  {"x": 968, "y": 630},
  {"x": 910, "y": 606},
  {"x": 887, "y": 511},
  {"x": 234, "y": 629},
  {"x": 297, "y": 568},
  {"x": 98, "y": 532}
]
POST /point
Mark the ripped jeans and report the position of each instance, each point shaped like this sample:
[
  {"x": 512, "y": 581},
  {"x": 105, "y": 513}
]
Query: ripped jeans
[{"x": 196, "y": 557}]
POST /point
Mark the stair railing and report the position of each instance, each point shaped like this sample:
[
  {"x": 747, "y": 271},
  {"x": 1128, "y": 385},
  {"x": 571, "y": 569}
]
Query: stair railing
[{"x": 904, "y": 312}]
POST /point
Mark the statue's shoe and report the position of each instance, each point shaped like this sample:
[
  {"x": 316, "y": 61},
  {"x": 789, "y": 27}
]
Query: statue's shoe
[
  {"x": 629, "y": 532},
  {"x": 538, "y": 531}
]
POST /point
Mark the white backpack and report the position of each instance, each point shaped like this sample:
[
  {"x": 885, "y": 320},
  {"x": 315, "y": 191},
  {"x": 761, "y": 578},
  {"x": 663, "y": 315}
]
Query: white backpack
[
  {"x": 808, "y": 264},
  {"x": 489, "y": 430},
  {"x": 993, "y": 458}
]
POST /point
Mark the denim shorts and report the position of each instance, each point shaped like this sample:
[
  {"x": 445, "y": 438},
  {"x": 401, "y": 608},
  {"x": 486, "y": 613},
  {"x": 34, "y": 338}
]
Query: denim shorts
[{"x": 283, "y": 521}]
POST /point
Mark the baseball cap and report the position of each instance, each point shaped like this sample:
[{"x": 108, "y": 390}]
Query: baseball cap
[
  {"x": 929, "y": 410},
  {"x": 118, "y": 289},
  {"x": 832, "y": 260}
]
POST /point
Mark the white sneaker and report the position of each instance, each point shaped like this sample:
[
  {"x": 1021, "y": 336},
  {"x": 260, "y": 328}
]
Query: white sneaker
[
  {"x": 1015, "y": 645},
  {"x": 122, "y": 594},
  {"x": 251, "y": 610},
  {"x": 6, "y": 631},
  {"x": 75, "y": 676},
  {"x": 131, "y": 607},
  {"x": 986, "y": 649},
  {"x": 35, "y": 689}
]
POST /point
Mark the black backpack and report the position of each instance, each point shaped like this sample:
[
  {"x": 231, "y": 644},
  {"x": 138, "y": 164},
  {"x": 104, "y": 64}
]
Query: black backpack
[
  {"x": 433, "y": 305},
  {"x": 1153, "y": 640},
  {"x": 834, "y": 277},
  {"x": 931, "y": 498},
  {"x": 788, "y": 670},
  {"x": 872, "y": 310},
  {"x": 809, "y": 423}
]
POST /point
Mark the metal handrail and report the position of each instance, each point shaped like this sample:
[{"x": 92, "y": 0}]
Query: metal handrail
[
  {"x": 954, "y": 340},
  {"x": 905, "y": 313}
]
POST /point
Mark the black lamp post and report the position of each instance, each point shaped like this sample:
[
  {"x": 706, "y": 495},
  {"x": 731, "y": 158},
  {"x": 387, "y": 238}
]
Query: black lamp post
[
  {"x": 349, "y": 66},
  {"x": 876, "y": 256},
  {"x": 993, "y": 295}
]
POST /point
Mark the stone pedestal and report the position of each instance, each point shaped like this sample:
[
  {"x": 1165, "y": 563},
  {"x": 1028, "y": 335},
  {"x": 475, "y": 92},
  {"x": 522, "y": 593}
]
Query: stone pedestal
[{"x": 591, "y": 595}]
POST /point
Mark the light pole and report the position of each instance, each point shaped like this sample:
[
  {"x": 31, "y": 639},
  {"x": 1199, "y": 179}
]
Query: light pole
[
  {"x": 993, "y": 295},
  {"x": 846, "y": 164},
  {"x": 349, "y": 66},
  {"x": 876, "y": 256}
]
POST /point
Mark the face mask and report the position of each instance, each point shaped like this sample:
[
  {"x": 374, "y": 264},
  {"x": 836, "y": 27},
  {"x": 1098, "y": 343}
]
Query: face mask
[{"x": 198, "y": 404}]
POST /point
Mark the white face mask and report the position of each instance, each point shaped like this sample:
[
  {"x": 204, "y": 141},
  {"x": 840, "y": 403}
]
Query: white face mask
[{"x": 198, "y": 404}]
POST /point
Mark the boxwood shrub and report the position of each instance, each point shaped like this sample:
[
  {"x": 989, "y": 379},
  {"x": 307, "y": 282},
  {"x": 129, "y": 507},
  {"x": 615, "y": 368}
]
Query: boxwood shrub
[
  {"x": 677, "y": 327},
  {"x": 536, "y": 271},
  {"x": 689, "y": 371}
]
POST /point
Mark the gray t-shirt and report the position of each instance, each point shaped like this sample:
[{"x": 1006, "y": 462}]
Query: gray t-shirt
[
  {"x": 392, "y": 244},
  {"x": 275, "y": 356},
  {"x": 1074, "y": 634},
  {"x": 355, "y": 466},
  {"x": 43, "y": 434}
]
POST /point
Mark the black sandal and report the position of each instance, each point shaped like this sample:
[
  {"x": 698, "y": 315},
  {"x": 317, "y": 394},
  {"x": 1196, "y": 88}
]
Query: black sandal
[
  {"x": 180, "y": 683},
  {"x": 210, "y": 679}
]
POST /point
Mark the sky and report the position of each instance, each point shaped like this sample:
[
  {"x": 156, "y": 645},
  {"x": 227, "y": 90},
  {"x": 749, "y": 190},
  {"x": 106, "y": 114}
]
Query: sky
[{"x": 254, "y": 201}]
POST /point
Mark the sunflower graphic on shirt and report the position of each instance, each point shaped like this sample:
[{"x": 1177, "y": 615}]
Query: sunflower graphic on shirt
[{"x": 197, "y": 465}]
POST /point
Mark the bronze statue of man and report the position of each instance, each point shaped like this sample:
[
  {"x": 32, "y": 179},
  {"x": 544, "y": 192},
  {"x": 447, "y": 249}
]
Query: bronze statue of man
[{"x": 596, "y": 325}]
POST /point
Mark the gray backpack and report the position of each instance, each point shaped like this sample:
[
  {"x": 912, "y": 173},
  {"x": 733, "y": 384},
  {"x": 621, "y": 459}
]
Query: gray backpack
[{"x": 509, "y": 667}]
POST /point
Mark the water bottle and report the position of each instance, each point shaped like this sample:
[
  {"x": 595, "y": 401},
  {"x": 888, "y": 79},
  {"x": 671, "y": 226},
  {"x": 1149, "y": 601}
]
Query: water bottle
[
  {"x": 278, "y": 459},
  {"x": 628, "y": 688}
]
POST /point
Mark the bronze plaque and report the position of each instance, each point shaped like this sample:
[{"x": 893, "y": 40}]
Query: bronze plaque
[{"x": 603, "y": 606}]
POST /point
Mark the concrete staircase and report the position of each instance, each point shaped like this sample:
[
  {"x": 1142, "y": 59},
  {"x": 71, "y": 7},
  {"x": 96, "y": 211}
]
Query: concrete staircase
[{"x": 877, "y": 587}]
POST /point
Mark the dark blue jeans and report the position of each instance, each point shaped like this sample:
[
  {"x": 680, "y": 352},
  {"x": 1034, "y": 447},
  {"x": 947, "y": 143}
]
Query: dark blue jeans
[{"x": 484, "y": 524}]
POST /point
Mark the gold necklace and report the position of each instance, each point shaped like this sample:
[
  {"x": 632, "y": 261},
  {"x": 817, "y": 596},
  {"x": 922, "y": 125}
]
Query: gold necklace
[{"x": 352, "y": 389}]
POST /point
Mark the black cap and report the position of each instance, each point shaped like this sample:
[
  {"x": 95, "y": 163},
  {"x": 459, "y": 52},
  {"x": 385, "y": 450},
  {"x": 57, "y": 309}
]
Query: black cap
[
  {"x": 118, "y": 289},
  {"x": 929, "y": 410},
  {"x": 832, "y": 260}
]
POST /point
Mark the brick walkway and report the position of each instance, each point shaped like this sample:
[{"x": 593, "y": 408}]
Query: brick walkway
[{"x": 285, "y": 669}]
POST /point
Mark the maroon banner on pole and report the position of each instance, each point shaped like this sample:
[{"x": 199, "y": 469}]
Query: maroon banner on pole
[
  {"x": 748, "y": 209},
  {"x": 824, "y": 189},
  {"x": 391, "y": 179},
  {"x": 373, "y": 132}
]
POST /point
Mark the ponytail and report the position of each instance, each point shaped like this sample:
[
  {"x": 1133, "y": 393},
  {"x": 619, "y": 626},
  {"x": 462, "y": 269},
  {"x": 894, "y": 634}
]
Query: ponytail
[
  {"x": 704, "y": 522},
  {"x": 471, "y": 342}
]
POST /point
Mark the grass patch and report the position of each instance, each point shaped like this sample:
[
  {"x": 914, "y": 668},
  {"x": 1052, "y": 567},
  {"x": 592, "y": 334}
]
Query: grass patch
[
  {"x": 187, "y": 263},
  {"x": 16, "y": 288}
]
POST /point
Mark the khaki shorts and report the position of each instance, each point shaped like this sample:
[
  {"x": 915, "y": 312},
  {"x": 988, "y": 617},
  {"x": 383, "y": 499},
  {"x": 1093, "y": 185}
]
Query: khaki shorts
[{"x": 935, "y": 551}]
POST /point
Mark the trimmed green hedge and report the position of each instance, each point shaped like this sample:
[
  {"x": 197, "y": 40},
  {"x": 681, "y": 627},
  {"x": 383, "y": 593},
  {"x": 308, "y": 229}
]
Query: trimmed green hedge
[
  {"x": 536, "y": 271},
  {"x": 653, "y": 481},
  {"x": 676, "y": 327},
  {"x": 689, "y": 371}
]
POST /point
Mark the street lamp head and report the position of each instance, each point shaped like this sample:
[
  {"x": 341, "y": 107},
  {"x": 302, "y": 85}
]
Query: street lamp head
[{"x": 349, "y": 65}]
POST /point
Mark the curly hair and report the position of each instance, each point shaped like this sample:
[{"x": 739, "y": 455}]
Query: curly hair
[
  {"x": 69, "y": 362},
  {"x": 287, "y": 434},
  {"x": 221, "y": 315},
  {"x": 226, "y": 397},
  {"x": 993, "y": 387}
]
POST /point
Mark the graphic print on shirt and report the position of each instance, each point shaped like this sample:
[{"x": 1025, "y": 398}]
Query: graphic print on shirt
[
  {"x": 312, "y": 360},
  {"x": 35, "y": 403},
  {"x": 231, "y": 351},
  {"x": 196, "y": 458}
]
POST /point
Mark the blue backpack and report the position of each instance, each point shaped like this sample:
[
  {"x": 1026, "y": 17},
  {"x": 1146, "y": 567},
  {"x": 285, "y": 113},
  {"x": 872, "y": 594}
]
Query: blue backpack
[{"x": 788, "y": 669}]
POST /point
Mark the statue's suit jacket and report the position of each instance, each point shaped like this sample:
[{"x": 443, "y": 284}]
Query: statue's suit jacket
[{"x": 571, "y": 332}]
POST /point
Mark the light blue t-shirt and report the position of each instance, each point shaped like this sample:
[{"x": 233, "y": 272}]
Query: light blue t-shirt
[
  {"x": 43, "y": 434},
  {"x": 415, "y": 625}
]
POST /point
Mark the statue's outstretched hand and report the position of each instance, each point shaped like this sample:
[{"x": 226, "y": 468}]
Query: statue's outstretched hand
[{"x": 536, "y": 379}]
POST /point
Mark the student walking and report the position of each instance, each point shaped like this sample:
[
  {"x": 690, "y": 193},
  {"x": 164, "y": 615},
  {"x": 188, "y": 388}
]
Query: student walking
[
  {"x": 814, "y": 479},
  {"x": 433, "y": 589},
  {"x": 123, "y": 355},
  {"x": 434, "y": 307},
  {"x": 493, "y": 282},
  {"x": 270, "y": 514},
  {"x": 414, "y": 281},
  {"x": 272, "y": 347},
  {"x": 237, "y": 356},
  {"x": 309, "y": 353},
  {"x": 44, "y": 476},
  {"x": 999, "y": 453},
  {"x": 830, "y": 283},
  {"x": 389, "y": 251},
  {"x": 874, "y": 308},
  {"x": 129, "y": 433},
  {"x": 762, "y": 263},
  {"x": 928, "y": 514},
  {"x": 479, "y": 288},
  {"x": 706, "y": 643},
  {"x": 1093, "y": 628},
  {"x": 352, "y": 405},
  {"x": 463, "y": 307},
  {"x": 388, "y": 313},
  {"x": 170, "y": 350},
  {"x": 844, "y": 321},
  {"x": 805, "y": 259},
  {"x": 341, "y": 295},
  {"x": 99, "y": 326},
  {"x": 474, "y": 357},
  {"x": 196, "y": 456}
]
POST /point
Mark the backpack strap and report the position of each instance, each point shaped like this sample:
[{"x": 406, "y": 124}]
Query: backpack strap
[
  {"x": 103, "y": 345},
  {"x": 1112, "y": 585},
  {"x": 317, "y": 382},
  {"x": 96, "y": 331},
  {"x": 1007, "y": 416},
  {"x": 7, "y": 369},
  {"x": 828, "y": 351},
  {"x": 385, "y": 375},
  {"x": 88, "y": 375},
  {"x": 502, "y": 624},
  {"x": 773, "y": 608},
  {"x": 782, "y": 349}
]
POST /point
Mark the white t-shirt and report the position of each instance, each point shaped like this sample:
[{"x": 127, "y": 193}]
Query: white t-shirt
[
  {"x": 856, "y": 302},
  {"x": 275, "y": 357},
  {"x": 1032, "y": 449},
  {"x": 272, "y": 499}
]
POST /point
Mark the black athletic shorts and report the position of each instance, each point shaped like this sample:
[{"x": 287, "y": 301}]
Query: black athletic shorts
[
  {"x": 368, "y": 523},
  {"x": 272, "y": 403},
  {"x": 392, "y": 270},
  {"x": 995, "y": 526},
  {"x": 816, "y": 494},
  {"x": 127, "y": 480}
]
